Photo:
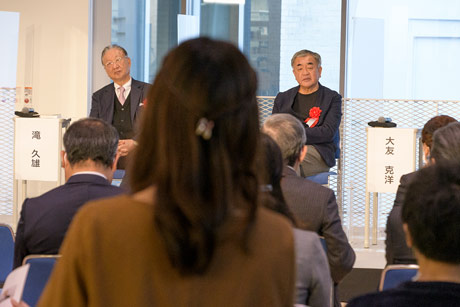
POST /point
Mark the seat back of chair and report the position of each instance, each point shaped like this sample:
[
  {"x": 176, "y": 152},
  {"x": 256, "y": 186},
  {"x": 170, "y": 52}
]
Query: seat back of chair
[
  {"x": 322, "y": 178},
  {"x": 40, "y": 270},
  {"x": 323, "y": 244},
  {"x": 6, "y": 251},
  {"x": 394, "y": 275}
]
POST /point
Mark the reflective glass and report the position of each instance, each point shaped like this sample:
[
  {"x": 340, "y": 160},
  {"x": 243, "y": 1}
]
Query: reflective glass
[
  {"x": 269, "y": 32},
  {"x": 403, "y": 49}
]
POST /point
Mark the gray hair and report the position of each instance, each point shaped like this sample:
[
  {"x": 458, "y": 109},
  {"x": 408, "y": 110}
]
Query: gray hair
[
  {"x": 303, "y": 53},
  {"x": 289, "y": 133},
  {"x": 93, "y": 139},
  {"x": 446, "y": 144},
  {"x": 112, "y": 47}
]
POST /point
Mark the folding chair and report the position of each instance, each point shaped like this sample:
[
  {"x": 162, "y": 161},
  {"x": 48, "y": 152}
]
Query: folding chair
[
  {"x": 6, "y": 252},
  {"x": 396, "y": 274},
  {"x": 40, "y": 270}
]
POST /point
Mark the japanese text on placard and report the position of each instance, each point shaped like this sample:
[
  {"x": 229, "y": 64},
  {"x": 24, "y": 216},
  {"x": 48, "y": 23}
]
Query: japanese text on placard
[{"x": 389, "y": 169}]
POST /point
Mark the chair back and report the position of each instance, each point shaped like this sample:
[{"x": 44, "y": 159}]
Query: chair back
[
  {"x": 40, "y": 270},
  {"x": 394, "y": 275},
  {"x": 323, "y": 244},
  {"x": 6, "y": 252},
  {"x": 322, "y": 178}
]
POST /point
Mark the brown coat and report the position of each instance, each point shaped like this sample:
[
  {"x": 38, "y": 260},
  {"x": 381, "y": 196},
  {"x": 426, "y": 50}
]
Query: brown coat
[{"x": 113, "y": 256}]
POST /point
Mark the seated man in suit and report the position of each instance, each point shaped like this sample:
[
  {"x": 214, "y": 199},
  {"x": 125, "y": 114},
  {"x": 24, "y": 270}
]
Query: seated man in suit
[
  {"x": 89, "y": 160},
  {"x": 431, "y": 215},
  {"x": 312, "y": 204},
  {"x": 396, "y": 249},
  {"x": 317, "y": 107},
  {"x": 120, "y": 103}
]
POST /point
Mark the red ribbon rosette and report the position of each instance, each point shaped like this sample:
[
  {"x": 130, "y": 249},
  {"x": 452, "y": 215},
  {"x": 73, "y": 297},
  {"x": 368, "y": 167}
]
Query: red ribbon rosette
[{"x": 313, "y": 118}]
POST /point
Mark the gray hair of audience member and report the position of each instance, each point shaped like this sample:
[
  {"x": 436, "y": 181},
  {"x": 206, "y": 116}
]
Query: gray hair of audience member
[
  {"x": 306, "y": 52},
  {"x": 91, "y": 139},
  {"x": 289, "y": 133},
  {"x": 446, "y": 144},
  {"x": 111, "y": 47}
]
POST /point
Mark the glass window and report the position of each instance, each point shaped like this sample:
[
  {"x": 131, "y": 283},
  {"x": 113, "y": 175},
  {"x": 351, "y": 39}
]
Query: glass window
[
  {"x": 405, "y": 49},
  {"x": 269, "y": 32},
  {"x": 147, "y": 29}
]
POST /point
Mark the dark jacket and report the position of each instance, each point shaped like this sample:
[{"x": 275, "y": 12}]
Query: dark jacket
[
  {"x": 325, "y": 135},
  {"x": 315, "y": 206},
  {"x": 411, "y": 293},
  {"x": 103, "y": 101},
  {"x": 396, "y": 250},
  {"x": 44, "y": 220}
]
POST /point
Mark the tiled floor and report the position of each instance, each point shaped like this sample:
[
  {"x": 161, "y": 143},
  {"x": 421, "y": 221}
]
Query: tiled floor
[{"x": 370, "y": 258}]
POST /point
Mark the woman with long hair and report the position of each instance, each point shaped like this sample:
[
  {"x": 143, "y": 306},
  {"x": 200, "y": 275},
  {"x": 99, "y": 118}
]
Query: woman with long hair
[{"x": 192, "y": 233}]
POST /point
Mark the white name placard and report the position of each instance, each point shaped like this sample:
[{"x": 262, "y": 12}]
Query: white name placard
[
  {"x": 390, "y": 154},
  {"x": 37, "y": 149}
]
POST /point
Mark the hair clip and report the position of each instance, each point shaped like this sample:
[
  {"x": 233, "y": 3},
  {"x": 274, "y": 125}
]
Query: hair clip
[
  {"x": 204, "y": 128},
  {"x": 266, "y": 188}
]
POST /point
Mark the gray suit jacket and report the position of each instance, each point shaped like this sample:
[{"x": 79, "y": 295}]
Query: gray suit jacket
[
  {"x": 313, "y": 281},
  {"x": 315, "y": 206},
  {"x": 396, "y": 250},
  {"x": 102, "y": 105}
]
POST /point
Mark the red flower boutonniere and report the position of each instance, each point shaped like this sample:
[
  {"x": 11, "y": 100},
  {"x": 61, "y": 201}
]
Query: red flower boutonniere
[
  {"x": 143, "y": 103},
  {"x": 313, "y": 118}
]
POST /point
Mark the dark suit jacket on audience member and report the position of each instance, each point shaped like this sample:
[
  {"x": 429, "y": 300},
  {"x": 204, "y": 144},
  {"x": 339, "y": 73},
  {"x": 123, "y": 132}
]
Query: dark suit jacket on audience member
[
  {"x": 315, "y": 206},
  {"x": 432, "y": 293},
  {"x": 325, "y": 135},
  {"x": 44, "y": 220},
  {"x": 102, "y": 105},
  {"x": 397, "y": 251}
]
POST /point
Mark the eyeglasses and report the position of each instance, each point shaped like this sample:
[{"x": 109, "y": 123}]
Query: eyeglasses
[{"x": 117, "y": 61}]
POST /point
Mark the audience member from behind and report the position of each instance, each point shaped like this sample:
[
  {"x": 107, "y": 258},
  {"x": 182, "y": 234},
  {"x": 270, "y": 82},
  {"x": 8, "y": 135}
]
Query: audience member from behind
[
  {"x": 192, "y": 234},
  {"x": 397, "y": 251},
  {"x": 89, "y": 159},
  {"x": 313, "y": 281},
  {"x": 431, "y": 215},
  {"x": 446, "y": 144},
  {"x": 312, "y": 204}
]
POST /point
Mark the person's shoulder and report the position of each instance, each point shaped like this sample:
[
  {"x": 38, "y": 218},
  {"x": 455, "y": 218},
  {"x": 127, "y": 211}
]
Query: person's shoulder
[
  {"x": 294, "y": 89},
  {"x": 104, "y": 88},
  {"x": 311, "y": 235},
  {"x": 307, "y": 184},
  {"x": 116, "y": 208},
  {"x": 306, "y": 237},
  {"x": 272, "y": 232},
  {"x": 273, "y": 225},
  {"x": 111, "y": 190},
  {"x": 370, "y": 299},
  {"x": 140, "y": 83},
  {"x": 47, "y": 196},
  {"x": 93, "y": 182},
  {"x": 266, "y": 216},
  {"x": 329, "y": 92},
  {"x": 407, "y": 178},
  {"x": 114, "y": 201}
]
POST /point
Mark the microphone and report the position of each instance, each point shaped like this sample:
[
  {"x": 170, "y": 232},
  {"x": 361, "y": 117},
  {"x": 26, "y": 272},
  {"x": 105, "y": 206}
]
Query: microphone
[
  {"x": 382, "y": 119},
  {"x": 384, "y": 122},
  {"x": 26, "y": 112}
]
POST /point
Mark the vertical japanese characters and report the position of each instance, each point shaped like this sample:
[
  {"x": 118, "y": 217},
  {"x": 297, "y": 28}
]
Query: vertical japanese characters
[
  {"x": 35, "y": 155},
  {"x": 389, "y": 169}
]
